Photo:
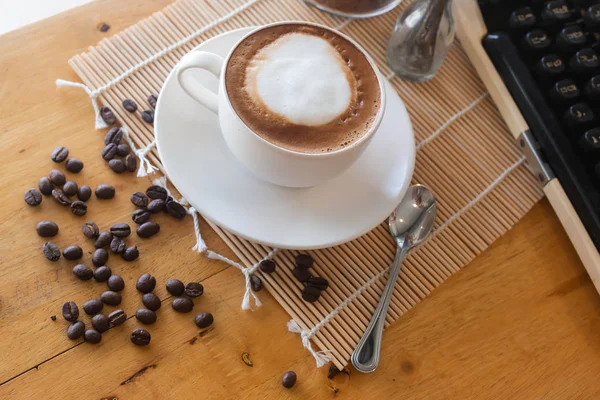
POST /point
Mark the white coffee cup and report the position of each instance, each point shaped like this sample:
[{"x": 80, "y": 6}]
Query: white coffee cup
[{"x": 266, "y": 160}]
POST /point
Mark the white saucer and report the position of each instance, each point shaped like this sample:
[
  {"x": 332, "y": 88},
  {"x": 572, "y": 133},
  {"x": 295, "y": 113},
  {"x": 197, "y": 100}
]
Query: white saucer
[{"x": 206, "y": 173}]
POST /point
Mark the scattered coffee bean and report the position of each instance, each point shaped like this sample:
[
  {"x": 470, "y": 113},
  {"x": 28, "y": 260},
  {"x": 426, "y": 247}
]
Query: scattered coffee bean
[
  {"x": 93, "y": 306},
  {"x": 131, "y": 253},
  {"x": 117, "y": 245},
  {"x": 100, "y": 323},
  {"x": 110, "y": 298},
  {"x": 103, "y": 240},
  {"x": 90, "y": 230},
  {"x": 51, "y": 251},
  {"x": 70, "y": 188},
  {"x": 70, "y": 311},
  {"x": 46, "y": 229},
  {"x": 147, "y": 229},
  {"x": 61, "y": 198},
  {"x": 74, "y": 165},
  {"x": 115, "y": 283},
  {"x": 155, "y": 206},
  {"x": 302, "y": 274},
  {"x": 120, "y": 230},
  {"x": 73, "y": 252},
  {"x": 101, "y": 274},
  {"x": 148, "y": 116},
  {"x": 117, "y": 166},
  {"x": 108, "y": 116},
  {"x": 311, "y": 294},
  {"x": 92, "y": 336},
  {"x": 114, "y": 135},
  {"x": 33, "y": 197},
  {"x": 175, "y": 287},
  {"x": 304, "y": 261},
  {"x": 105, "y": 192},
  {"x": 194, "y": 289},
  {"x": 175, "y": 209},
  {"x": 100, "y": 257},
  {"x": 289, "y": 379},
  {"x": 145, "y": 316},
  {"x": 255, "y": 283},
  {"x": 130, "y": 105},
  {"x": 140, "y": 337},
  {"x": 45, "y": 186},
  {"x": 84, "y": 193},
  {"x": 146, "y": 283},
  {"x": 268, "y": 266},
  {"x": 204, "y": 320},
  {"x": 152, "y": 99},
  {"x": 123, "y": 149},
  {"x": 53, "y": 318},
  {"x": 109, "y": 152},
  {"x": 82, "y": 272},
  {"x": 60, "y": 154},
  {"x": 57, "y": 177},
  {"x": 157, "y": 192},
  {"x": 318, "y": 282},
  {"x": 76, "y": 330},
  {"x": 140, "y": 216},
  {"x": 182, "y": 304},
  {"x": 151, "y": 301},
  {"x": 117, "y": 317},
  {"x": 139, "y": 199},
  {"x": 79, "y": 208},
  {"x": 131, "y": 163}
]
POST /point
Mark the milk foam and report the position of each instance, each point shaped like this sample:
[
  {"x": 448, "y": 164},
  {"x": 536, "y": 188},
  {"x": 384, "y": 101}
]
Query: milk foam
[{"x": 302, "y": 78}]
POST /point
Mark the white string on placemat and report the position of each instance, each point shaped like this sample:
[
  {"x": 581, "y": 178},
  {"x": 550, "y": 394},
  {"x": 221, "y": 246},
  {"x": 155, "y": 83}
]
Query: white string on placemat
[{"x": 146, "y": 168}]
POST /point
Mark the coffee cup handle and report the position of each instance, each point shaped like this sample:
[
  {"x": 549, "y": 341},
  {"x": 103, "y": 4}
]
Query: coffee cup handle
[{"x": 202, "y": 60}]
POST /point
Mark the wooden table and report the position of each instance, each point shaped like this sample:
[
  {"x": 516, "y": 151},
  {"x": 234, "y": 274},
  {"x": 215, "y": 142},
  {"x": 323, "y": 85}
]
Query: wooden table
[{"x": 521, "y": 322}]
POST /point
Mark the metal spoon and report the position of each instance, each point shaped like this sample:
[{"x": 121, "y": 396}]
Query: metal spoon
[{"x": 410, "y": 224}]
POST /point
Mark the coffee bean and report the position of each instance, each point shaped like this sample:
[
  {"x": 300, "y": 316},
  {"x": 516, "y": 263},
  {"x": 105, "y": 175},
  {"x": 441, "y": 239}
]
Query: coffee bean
[
  {"x": 131, "y": 163},
  {"x": 114, "y": 135},
  {"x": 33, "y": 197},
  {"x": 74, "y": 165},
  {"x": 318, "y": 282},
  {"x": 268, "y": 266},
  {"x": 104, "y": 239},
  {"x": 100, "y": 323},
  {"x": 140, "y": 216},
  {"x": 110, "y": 298},
  {"x": 53, "y": 317},
  {"x": 108, "y": 116},
  {"x": 120, "y": 230},
  {"x": 84, "y": 193},
  {"x": 61, "y": 198},
  {"x": 93, "y": 306},
  {"x": 131, "y": 253},
  {"x": 304, "y": 261},
  {"x": 148, "y": 116},
  {"x": 175, "y": 287},
  {"x": 194, "y": 289},
  {"x": 117, "y": 317},
  {"x": 130, "y": 105},
  {"x": 70, "y": 311},
  {"x": 123, "y": 149},
  {"x": 90, "y": 230},
  {"x": 151, "y": 301},
  {"x": 145, "y": 316},
  {"x": 101, "y": 274},
  {"x": 109, "y": 152},
  {"x": 105, "y": 192},
  {"x": 73, "y": 253},
  {"x": 152, "y": 99},
  {"x": 289, "y": 379},
  {"x": 175, "y": 209},
  {"x": 46, "y": 229},
  {"x": 82, "y": 272},
  {"x": 76, "y": 330},
  {"x": 45, "y": 186},
  {"x": 92, "y": 336},
  {"x": 146, "y": 283},
  {"x": 182, "y": 304},
  {"x": 148, "y": 229},
  {"x": 57, "y": 177},
  {"x": 255, "y": 283},
  {"x": 117, "y": 166},
  {"x": 51, "y": 251},
  {"x": 155, "y": 206},
  {"x": 311, "y": 294},
  {"x": 79, "y": 208},
  {"x": 60, "y": 154},
  {"x": 140, "y": 337},
  {"x": 139, "y": 199},
  {"x": 157, "y": 192},
  {"x": 70, "y": 188},
  {"x": 117, "y": 245},
  {"x": 115, "y": 283},
  {"x": 204, "y": 320},
  {"x": 302, "y": 274},
  {"x": 100, "y": 257}
]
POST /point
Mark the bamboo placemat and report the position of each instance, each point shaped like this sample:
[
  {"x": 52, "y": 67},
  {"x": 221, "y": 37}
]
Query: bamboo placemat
[{"x": 465, "y": 154}]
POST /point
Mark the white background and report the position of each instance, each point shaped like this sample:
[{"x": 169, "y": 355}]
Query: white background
[{"x": 17, "y": 13}]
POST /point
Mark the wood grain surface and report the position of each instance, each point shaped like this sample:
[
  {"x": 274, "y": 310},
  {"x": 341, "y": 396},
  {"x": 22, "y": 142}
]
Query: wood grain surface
[{"x": 520, "y": 322}]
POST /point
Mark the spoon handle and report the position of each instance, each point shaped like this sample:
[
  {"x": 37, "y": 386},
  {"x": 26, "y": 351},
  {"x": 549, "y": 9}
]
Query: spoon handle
[{"x": 365, "y": 357}]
